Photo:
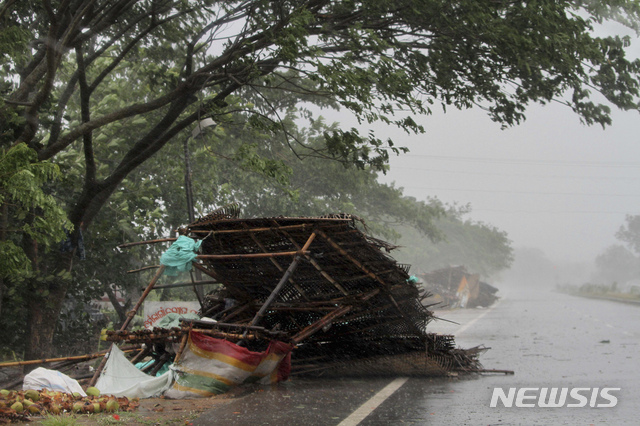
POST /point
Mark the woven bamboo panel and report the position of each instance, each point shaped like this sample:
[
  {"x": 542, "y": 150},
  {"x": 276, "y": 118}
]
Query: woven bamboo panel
[{"x": 346, "y": 303}]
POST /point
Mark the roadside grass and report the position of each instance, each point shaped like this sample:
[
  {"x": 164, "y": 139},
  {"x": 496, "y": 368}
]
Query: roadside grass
[
  {"x": 119, "y": 418},
  {"x": 52, "y": 420}
]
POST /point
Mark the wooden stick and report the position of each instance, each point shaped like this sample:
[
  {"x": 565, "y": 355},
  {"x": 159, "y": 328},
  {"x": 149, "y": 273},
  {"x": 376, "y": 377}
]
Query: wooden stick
[
  {"x": 138, "y": 243},
  {"x": 44, "y": 361},
  {"x": 282, "y": 282},
  {"x": 247, "y": 255},
  {"x": 328, "y": 319},
  {"x": 143, "y": 269},
  {"x": 276, "y": 264},
  {"x": 266, "y": 229},
  {"x": 507, "y": 372},
  {"x": 319, "y": 269},
  {"x": 183, "y": 345}
]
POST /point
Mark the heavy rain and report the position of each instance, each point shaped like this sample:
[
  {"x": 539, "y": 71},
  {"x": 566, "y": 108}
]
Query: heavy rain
[{"x": 326, "y": 213}]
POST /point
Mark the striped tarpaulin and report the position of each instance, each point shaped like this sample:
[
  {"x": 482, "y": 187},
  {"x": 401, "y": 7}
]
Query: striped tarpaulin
[{"x": 211, "y": 366}]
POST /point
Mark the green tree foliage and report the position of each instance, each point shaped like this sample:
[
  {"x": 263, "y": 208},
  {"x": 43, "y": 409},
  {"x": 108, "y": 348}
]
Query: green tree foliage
[
  {"x": 117, "y": 80},
  {"x": 22, "y": 194}
]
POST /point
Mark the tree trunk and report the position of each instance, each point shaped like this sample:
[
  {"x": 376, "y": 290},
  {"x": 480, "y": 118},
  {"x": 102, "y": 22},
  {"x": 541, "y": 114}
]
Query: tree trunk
[
  {"x": 120, "y": 309},
  {"x": 43, "y": 318},
  {"x": 47, "y": 291},
  {"x": 4, "y": 224}
]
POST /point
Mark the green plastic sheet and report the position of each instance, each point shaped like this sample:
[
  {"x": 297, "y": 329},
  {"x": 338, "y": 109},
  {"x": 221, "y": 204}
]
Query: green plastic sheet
[{"x": 179, "y": 256}]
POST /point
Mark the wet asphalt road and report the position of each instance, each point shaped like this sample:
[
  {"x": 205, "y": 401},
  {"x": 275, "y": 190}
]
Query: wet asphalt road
[{"x": 548, "y": 339}]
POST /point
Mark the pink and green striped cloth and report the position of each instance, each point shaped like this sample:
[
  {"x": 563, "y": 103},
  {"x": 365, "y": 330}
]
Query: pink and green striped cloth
[{"x": 211, "y": 366}]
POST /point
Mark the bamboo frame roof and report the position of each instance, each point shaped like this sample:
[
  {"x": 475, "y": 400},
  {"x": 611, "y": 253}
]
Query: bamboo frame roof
[
  {"x": 341, "y": 260},
  {"x": 335, "y": 290},
  {"x": 320, "y": 283}
]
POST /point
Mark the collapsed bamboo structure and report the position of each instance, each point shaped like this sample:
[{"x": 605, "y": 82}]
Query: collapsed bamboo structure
[{"x": 320, "y": 283}]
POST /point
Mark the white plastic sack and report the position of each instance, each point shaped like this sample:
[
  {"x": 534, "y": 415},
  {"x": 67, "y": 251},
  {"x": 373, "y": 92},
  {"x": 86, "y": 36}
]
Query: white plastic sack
[
  {"x": 121, "y": 378},
  {"x": 41, "y": 378}
]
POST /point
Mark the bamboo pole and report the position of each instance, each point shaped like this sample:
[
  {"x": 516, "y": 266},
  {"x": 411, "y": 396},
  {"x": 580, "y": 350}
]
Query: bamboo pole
[
  {"x": 132, "y": 313},
  {"x": 143, "y": 338},
  {"x": 351, "y": 258},
  {"x": 183, "y": 344},
  {"x": 237, "y": 310},
  {"x": 130, "y": 316},
  {"x": 319, "y": 269},
  {"x": 143, "y": 269},
  {"x": 246, "y": 255},
  {"x": 141, "y": 355},
  {"x": 212, "y": 274},
  {"x": 283, "y": 280},
  {"x": 44, "y": 361},
  {"x": 266, "y": 229},
  {"x": 276, "y": 264},
  {"x": 237, "y": 231},
  {"x": 223, "y": 325},
  {"x": 164, "y": 358},
  {"x": 138, "y": 243},
  {"x": 158, "y": 287},
  {"x": 302, "y": 308},
  {"x": 223, "y": 335},
  {"x": 506, "y": 372},
  {"x": 329, "y": 318},
  {"x": 364, "y": 269}
]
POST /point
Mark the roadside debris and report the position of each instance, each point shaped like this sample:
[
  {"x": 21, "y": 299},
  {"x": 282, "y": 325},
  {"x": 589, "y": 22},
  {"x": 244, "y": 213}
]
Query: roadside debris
[
  {"x": 454, "y": 287},
  {"x": 297, "y": 296},
  {"x": 19, "y": 405},
  {"x": 326, "y": 294}
]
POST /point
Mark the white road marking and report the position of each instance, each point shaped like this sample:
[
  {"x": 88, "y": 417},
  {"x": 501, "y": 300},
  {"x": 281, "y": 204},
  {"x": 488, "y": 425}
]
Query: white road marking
[
  {"x": 374, "y": 402},
  {"x": 473, "y": 321}
]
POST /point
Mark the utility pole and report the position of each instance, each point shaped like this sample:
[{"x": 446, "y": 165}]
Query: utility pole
[{"x": 188, "y": 188}]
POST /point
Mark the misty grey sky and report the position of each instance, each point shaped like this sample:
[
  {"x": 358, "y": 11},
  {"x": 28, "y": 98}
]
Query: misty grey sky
[{"x": 551, "y": 183}]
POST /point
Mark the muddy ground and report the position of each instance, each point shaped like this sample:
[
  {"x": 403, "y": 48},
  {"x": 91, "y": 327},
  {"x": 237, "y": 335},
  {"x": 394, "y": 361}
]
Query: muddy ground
[{"x": 153, "y": 411}]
